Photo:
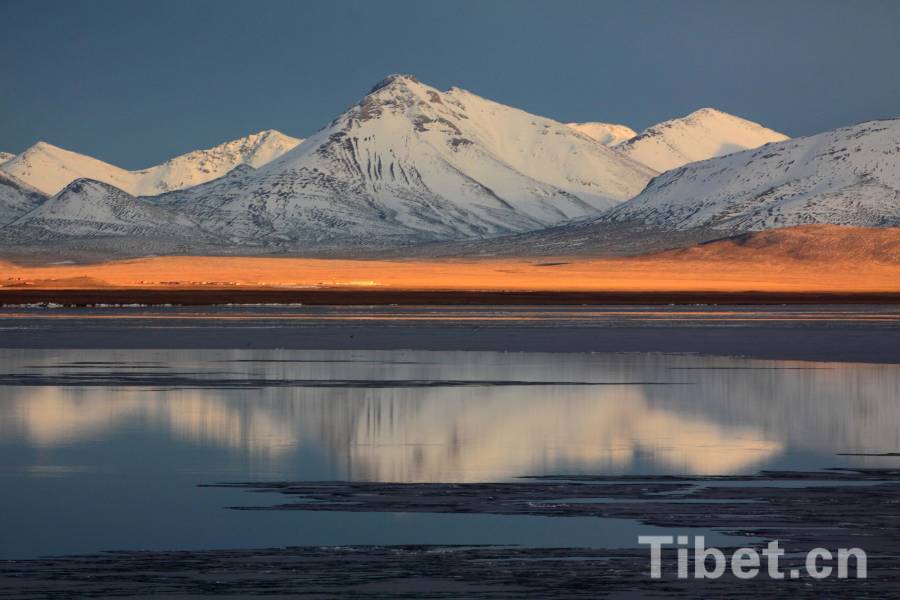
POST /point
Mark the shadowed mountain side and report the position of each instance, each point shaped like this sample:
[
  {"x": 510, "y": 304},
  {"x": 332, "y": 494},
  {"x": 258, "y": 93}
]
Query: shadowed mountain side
[
  {"x": 587, "y": 238},
  {"x": 16, "y": 198},
  {"x": 86, "y": 209},
  {"x": 813, "y": 243}
]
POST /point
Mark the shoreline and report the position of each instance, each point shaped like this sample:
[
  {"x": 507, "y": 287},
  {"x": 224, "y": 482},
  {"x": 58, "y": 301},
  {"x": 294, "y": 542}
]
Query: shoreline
[
  {"x": 76, "y": 297},
  {"x": 856, "y": 334}
]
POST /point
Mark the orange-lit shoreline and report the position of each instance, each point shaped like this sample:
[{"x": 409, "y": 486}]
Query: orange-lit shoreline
[
  {"x": 558, "y": 275},
  {"x": 811, "y": 260}
]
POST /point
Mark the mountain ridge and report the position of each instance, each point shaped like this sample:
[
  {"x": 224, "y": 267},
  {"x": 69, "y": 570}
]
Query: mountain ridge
[
  {"x": 413, "y": 169},
  {"x": 88, "y": 208},
  {"x": 50, "y": 168},
  {"x": 410, "y": 163},
  {"x": 703, "y": 134},
  {"x": 847, "y": 176}
]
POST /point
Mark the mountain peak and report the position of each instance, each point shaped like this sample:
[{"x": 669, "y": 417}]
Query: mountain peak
[
  {"x": 50, "y": 169},
  {"x": 703, "y": 134},
  {"x": 261, "y": 137},
  {"x": 269, "y": 133},
  {"x": 847, "y": 176},
  {"x": 709, "y": 112},
  {"x": 84, "y": 185},
  {"x": 411, "y": 163},
  {"x": 608, "y": 134},
  {"x": 87, "y": 208},
  {"x": 703, "y": 117},
  {"x": 83, "y": 182},
  {"x": 42, "y": 146},
  {"x": 245, "y": 148},
  {"x": 46, "y": 151},
  {"x": 394, "y": 79},
  {"x": 712, "y": 114}
]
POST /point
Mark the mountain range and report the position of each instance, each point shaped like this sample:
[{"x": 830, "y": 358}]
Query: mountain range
[
  {"x": 86, "y": 209},
  {"x": 849, "y": 176},
  {"x": 50, "y": 169},
  {"x": 413, "y": 166}
]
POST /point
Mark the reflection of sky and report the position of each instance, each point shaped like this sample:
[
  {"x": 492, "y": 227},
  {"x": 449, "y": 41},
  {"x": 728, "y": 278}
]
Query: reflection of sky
[{"x": 88, "y": 468}]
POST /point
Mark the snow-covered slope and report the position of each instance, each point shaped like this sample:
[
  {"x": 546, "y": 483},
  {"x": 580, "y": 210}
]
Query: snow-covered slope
[
  {"x": 608, "y": 134},
  {"x": 5, "y": 156},
  {"x": 201, "y": 166},
  {"x": 87, "y": 208},
  {"x": 16, "y": 199},
  {"x": 849, "y": 176},
  {"x": 703, "y": 134},
  {"x": 50, "y": 169},
  {"x": 411, "y": 163}
]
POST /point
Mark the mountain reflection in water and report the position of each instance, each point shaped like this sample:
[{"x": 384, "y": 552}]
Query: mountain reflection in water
[{"x": 654, "y": 413}]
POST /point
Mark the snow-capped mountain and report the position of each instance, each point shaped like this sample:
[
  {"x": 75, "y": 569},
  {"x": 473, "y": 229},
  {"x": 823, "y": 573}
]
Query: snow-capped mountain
[
  {"x": 5, "y": 156},
  {"x": 608, "y": 134},
  {"x": 849, "y": 176},
  {"x": 49, "y": 169},
  {"x": 201, "y": 166},
  {"x": 16, "y": 199},
  {"x": 703, "y": 134},
  {"x": 87, "y": 209},
  {"x": 411, "y": 163}
]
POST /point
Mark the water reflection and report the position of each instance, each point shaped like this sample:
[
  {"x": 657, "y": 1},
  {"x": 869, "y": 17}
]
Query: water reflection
[{"x": 654, "y": 413}]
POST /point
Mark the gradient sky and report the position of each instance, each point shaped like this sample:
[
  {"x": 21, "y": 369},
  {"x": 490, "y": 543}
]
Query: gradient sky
[{"x": 135, "y": 82}]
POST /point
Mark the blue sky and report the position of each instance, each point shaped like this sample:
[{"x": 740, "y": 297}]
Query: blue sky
[{"x": 135, "y": 82}]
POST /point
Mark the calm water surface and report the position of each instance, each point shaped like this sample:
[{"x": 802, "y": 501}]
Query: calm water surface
[{"x": 103, "y": 449}]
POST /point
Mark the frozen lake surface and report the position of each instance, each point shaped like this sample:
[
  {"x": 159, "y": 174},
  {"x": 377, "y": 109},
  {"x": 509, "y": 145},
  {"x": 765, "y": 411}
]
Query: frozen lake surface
[{"x": 104, "y": 447}]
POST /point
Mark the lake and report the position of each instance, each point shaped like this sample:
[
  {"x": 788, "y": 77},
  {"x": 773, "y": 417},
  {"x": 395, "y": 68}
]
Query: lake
[{"x": 104, "y": 448}]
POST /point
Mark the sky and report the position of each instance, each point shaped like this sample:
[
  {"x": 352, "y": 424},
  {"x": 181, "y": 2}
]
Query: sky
[{"x": 135, "y": 82}]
